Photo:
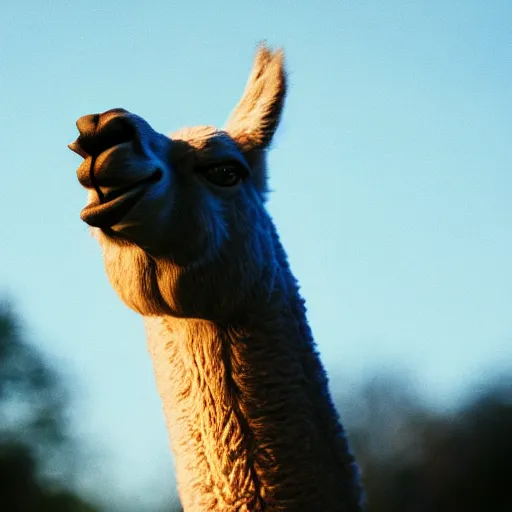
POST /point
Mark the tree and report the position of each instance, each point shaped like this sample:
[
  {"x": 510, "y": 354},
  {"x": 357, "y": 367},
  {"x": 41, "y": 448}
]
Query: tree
[
  {"x": 415, "y": 459},
  {"x": 36, "y": 452}
]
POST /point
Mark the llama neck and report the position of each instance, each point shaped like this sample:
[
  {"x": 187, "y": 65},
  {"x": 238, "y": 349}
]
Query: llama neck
[{"x": 249, "y": 414}]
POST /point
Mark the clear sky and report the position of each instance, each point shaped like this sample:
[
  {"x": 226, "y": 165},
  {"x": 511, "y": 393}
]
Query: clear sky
[{"x": 391, "y": 171}]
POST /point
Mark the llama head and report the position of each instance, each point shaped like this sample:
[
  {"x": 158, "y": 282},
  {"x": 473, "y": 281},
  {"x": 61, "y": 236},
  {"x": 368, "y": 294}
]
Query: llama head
[{"x": 181, "y": 219}]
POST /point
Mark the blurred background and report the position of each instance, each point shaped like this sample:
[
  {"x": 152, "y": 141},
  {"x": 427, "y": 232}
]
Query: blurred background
[{"x": 391, "y": 178}]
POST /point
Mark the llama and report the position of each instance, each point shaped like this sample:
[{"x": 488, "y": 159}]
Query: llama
[{"x": 188, "y": 244}]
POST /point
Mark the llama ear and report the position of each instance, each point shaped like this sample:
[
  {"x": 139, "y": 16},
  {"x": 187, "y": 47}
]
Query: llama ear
[{"x": 254, "y": 120}]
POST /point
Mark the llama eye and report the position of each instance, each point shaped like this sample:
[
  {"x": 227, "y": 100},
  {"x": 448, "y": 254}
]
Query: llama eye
[{"x": 223, "y": 175}]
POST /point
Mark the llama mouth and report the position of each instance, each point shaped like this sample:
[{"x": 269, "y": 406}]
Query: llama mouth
[{"x": 113, "y": 206}]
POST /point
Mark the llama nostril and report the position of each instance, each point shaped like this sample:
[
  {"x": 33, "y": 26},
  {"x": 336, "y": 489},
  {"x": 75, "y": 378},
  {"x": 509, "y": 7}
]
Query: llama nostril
[
  {"x": 96, "y": 137},
  {"x": 87, "y": 124}
]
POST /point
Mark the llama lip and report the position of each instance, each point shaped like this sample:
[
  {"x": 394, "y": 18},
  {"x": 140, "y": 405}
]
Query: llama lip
[{"x": 116, "y": 204}]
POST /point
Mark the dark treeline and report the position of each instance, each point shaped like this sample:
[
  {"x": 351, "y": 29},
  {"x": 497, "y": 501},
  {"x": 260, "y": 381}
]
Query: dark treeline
[
  {"x": 413, "y": 458},
  {"x": 37, "y": 455}
]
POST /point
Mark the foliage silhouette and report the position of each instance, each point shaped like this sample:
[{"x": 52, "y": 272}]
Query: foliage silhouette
[
  {"x": 36, "y": 454},
  {"x": 415, "y": 459}
]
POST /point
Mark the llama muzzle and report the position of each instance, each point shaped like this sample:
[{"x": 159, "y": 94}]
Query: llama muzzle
[{"x": 117, "y": 166}]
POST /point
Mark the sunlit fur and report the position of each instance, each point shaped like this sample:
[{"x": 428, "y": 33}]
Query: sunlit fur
[{"x": 245, "y": 397}]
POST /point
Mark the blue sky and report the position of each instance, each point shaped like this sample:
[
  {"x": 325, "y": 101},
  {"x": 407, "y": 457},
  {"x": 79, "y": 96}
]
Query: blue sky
[{"x": 391, "y": 173}]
